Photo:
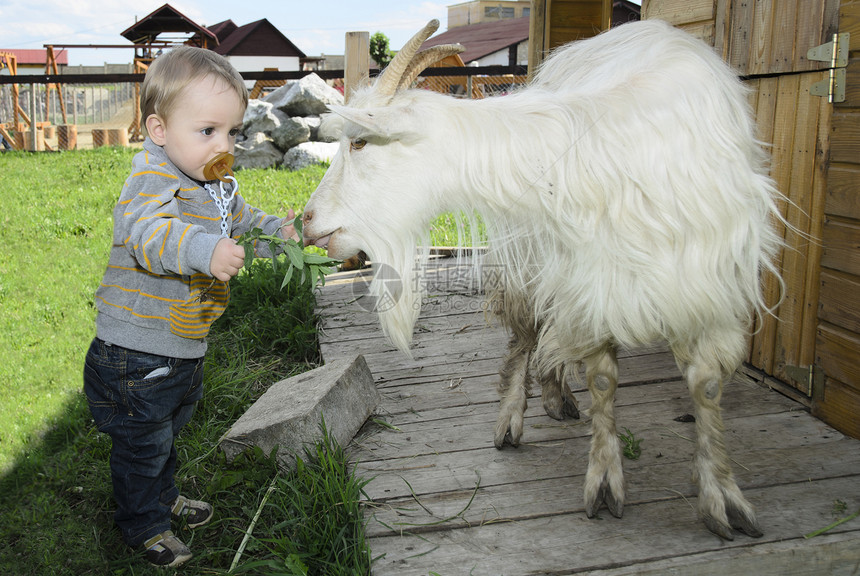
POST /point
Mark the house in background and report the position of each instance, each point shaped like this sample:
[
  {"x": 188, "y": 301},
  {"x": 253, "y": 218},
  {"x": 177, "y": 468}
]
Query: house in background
[
  {"x": 256, "y": 46},
  {"x": 478, "y": 11},
  {"x": 249, "y": 48},
  {"x": 33, "y": 61},
  {"x": 492, "y": 43}
]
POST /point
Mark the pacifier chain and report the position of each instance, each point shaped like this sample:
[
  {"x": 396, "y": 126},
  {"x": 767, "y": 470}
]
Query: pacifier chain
[
  {"x": 220, "y": 168},
  {"x": 222, "y": 201}
]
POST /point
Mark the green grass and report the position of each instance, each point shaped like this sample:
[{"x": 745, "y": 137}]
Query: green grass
[{"x": 55, "y": 492}]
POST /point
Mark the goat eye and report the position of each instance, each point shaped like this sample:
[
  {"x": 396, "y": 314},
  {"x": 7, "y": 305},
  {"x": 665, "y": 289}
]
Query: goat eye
[{"x": 357, "y": 144}]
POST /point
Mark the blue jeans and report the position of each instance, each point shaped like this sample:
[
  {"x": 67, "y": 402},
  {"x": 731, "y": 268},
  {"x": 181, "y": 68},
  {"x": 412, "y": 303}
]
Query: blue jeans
[{"x": 141, "y": 401}]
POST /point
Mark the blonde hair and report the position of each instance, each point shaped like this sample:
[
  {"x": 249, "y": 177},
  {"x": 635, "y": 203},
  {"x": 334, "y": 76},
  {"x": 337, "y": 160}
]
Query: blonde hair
[{"x": 173, "y": 71}]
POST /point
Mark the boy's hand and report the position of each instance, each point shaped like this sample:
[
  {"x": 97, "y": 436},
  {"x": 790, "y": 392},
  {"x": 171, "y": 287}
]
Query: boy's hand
[
  {"x": 227, "y": 259},
  {"x": 287, "y": 229}
]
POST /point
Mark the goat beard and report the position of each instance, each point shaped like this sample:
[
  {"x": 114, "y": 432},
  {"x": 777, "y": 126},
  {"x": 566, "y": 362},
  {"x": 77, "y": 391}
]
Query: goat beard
[{"x": 397, "y": 289}]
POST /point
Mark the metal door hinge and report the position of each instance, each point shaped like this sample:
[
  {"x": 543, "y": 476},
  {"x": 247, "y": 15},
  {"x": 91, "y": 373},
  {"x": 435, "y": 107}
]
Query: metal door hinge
[
  {"x": 811, "y": 377},
  {"x": 835, "y": 53}
]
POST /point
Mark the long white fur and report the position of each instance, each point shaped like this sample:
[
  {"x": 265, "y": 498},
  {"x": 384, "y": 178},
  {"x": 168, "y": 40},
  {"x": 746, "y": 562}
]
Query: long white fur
[{"x": 623, "y": 189}]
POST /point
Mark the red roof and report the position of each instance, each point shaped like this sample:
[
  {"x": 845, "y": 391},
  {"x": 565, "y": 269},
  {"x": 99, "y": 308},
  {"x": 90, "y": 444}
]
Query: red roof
[
  {"x": 259, "y": 38},
  {"x": 484, "y": 38},
  {"x": 37, "y": 57}
]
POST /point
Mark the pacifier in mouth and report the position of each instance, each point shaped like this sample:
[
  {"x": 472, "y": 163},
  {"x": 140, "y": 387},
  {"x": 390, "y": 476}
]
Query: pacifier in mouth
[{"x": 220, "y": 168}]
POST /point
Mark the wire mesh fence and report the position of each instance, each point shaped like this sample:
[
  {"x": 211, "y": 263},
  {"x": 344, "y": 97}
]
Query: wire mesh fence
[{"x": 70, "y": 115}]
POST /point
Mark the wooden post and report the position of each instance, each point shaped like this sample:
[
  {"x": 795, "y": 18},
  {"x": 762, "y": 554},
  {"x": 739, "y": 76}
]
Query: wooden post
[
  {"x": 537, "y": 35},
  {"x": 117, "y": 137},
  {"x": 356, "y": 61},
  {"x": 33, "y": 128},
  {"x": 67, "y": 137},
  {"x": 100, "y": 137}
]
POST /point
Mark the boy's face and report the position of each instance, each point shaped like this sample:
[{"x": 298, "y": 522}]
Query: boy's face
[{"x": 204, "y": 123}]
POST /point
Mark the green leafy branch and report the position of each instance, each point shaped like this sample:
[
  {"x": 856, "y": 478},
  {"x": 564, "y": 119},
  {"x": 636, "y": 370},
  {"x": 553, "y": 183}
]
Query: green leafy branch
[
  {"x": 630, "y": 445},
  {"x": 312, "y": 267}
]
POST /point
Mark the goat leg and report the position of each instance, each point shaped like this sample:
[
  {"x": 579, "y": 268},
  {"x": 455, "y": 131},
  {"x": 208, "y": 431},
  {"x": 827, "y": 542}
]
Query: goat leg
[
  {"x": 514, "y": 389},
  {"x": 556, "y": 396},
  {"x": 722, "y": 506},
  {"x": 604, "y": 480}
]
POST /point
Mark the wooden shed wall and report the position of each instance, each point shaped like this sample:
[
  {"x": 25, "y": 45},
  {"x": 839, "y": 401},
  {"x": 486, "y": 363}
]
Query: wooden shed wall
[
  {"x": 816, "y": 163},
  {"x": 837, "y": 346}
]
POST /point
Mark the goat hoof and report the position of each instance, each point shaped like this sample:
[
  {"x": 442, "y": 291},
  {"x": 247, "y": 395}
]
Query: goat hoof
[
  {"x": 560, "y": 410},
  {"x": 722, "y": 530},
  {"x": 570, "y": 407},
  {"x": 504, "y": 436},
  {"x": 745, "y": 523},
  {"x": 604, "y": 495},
  {"x": 506, "y": 439}
]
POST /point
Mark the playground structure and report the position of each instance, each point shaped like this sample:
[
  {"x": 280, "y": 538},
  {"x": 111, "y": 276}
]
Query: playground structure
[{"x": 25, "y": 132}]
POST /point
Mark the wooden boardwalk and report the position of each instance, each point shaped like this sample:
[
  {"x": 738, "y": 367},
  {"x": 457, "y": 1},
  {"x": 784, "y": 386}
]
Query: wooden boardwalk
[{"x": 443, "y": 500}]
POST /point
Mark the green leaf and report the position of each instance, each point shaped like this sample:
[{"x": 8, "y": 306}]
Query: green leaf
[
  {"x": 287, "y": 277},
  {"x": 249, "y": 255},
  {"x": 317, "y": 259},
  {"x": 296, "y": 255}
]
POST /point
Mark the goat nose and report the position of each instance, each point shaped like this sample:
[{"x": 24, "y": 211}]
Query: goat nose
[{"x": 307, "y": 217}]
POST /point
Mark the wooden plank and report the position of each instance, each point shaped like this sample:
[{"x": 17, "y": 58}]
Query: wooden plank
[
  {"x": 570, "y": 543},
  {"x": 537, "y": 35},
  {"x": 839, "y": 407},
  {"x": 840, "y": 300},
  {"x": 647, "y": 409},
  {"x": 795, "y": 261},
  {"x": 849, "y": 21},
  {"x": 762, "y": 341},
  {"x": 783, "y": 95},
  {"x": 832, "y": 554},
  {"x": 843, "y": 191},
  {"x": 762, "y": 40},
  {"x": 845, "y": 140},
  {"x": 818, "y": 196},
  {"x": 841, "y": 246},
  {"x": 808, "y": 33},
  {"x": 679, "y": 12},
  {"x": 740, "y": 36},
  {"x": 571, "y": 20},
  {"x": 852, "y": 84},
  {"x": 838, "y": 354},
  {"x": 554, "y": 494},
  {"x": 704, "y": 31},
  {"x": 356, "y": 61}
]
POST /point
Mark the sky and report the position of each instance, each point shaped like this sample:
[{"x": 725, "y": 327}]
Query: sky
[{"x": 315, "y": 27}]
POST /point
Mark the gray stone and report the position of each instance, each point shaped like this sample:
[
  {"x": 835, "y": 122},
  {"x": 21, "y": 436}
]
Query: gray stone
[
  {"x": 305, "y": 97},
  {"x": 290, "y": 132},
  {"x": 262, "y": 117},
  {"x": 289, "y": 414},
  {"x": 258, "y": 151},
  {"x": 313, "y": 123},
  {"x": 309, "y": 153}
]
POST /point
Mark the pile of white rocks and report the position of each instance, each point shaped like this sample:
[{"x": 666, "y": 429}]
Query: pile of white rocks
[{"x": 291, "y": 127}]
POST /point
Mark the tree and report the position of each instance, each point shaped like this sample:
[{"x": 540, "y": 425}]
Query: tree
[{"x": 379, "y": 51}]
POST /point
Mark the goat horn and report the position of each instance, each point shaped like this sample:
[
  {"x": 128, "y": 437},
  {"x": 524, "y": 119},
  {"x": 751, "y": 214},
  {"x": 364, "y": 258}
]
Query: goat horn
[
  {"x": 427, "y": 58},
  {"x": 388, "y": 82}
]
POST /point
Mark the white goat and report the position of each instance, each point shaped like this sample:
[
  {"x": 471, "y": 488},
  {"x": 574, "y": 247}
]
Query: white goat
[{"x": 628, "y": 199}]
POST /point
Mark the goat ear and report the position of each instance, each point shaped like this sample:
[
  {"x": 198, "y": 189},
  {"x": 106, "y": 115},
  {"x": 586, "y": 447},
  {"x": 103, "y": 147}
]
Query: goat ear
[
  {"x": 362, "y": 116},
  {"x": 378, "y": 121}
]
